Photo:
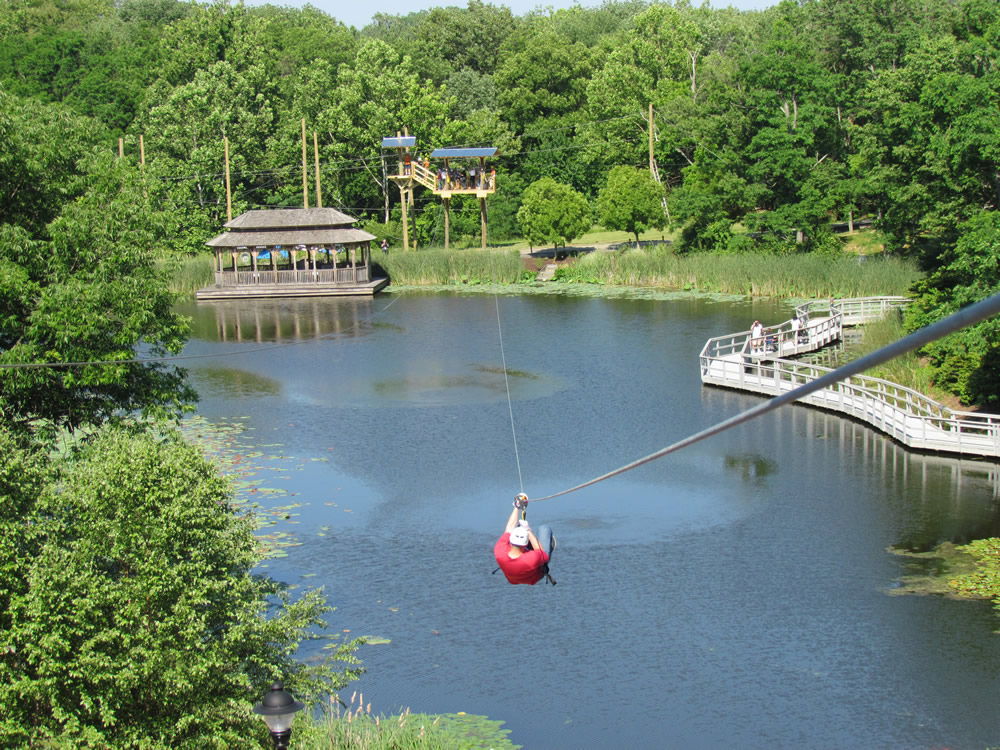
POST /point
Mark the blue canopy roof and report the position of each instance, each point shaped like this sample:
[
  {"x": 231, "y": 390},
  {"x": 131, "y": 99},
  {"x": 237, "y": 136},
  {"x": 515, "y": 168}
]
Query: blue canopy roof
[
  {"x": 452, "y": 153},
  {"x": 401, "y": 142}
]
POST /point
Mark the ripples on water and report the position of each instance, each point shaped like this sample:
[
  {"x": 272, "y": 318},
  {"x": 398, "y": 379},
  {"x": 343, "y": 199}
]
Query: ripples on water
[{"x": 729, "y": 595}]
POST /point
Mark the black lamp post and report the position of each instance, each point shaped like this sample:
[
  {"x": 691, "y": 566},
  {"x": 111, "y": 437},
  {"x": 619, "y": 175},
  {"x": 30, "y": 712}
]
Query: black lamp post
[{"x": 278, "y": 709}]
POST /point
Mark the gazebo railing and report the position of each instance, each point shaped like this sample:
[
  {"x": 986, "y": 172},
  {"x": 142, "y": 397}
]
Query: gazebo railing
[{"x": 356, "y": 275}]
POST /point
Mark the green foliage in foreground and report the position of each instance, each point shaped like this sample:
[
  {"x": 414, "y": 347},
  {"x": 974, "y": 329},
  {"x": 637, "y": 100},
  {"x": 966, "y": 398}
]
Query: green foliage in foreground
[
  {"x": 86, "y": 289},
  {"x": 806, "y": 275},
  {"x": 452, "y": 267},
  {"x": 358, "y": 729},
  {"x": 129, "y": 616}
]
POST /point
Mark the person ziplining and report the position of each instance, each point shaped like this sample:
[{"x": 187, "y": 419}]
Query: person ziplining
[{"x": 522, "y": 556}]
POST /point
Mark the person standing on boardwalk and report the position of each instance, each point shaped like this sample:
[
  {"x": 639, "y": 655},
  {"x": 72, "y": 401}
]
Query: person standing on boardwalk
[{"x": 756, "y": 336}]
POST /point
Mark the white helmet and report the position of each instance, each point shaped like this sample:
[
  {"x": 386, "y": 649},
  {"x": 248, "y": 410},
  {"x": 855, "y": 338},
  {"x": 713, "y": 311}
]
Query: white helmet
[{"x": 519, "y": 535}]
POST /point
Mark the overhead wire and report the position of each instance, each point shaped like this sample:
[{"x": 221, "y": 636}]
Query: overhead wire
[{"x": 506, "y": 382}]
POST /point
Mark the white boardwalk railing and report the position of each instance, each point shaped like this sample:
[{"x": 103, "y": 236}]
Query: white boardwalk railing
[{"x": 757, "y": 365}]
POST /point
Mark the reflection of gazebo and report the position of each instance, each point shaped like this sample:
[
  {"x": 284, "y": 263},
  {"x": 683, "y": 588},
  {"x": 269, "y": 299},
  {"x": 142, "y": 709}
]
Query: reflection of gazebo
[{"x": 292, "y": 252}]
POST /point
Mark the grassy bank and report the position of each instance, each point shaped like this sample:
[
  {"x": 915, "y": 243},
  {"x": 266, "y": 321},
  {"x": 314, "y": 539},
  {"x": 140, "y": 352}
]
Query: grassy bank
[
  {"x": 908, "y": 369},
  {"x": 354, "y": 727},
  {"x": 805, "y": 276},
  {"x": 801, "y": 276},
  {"x": 189, "y": 274},
  {"x": 425, "y": 267}
]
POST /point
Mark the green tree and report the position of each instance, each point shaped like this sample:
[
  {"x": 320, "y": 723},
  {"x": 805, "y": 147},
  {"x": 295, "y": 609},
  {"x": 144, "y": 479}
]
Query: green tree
[
  {"x": 89, "y": 291},
  {"x": 130, "y": 614},
  {"x": 631, "y": 201},
  {"x": 552, "y": 213},
  {"x": 542, "y": 76},
  {"x": 967, "y": 363},
  {"x": 41, "y": 149},
  {"x": 377, "y": 95}
]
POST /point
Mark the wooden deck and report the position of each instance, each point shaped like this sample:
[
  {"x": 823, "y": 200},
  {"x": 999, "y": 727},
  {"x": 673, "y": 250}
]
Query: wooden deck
[
  {"x": 737, "y": 361},
  {"x": 267, "y": 287}
]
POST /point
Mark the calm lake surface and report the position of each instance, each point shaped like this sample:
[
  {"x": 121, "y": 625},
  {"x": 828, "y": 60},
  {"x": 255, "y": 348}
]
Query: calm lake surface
[{"x": 737, "y": 593}]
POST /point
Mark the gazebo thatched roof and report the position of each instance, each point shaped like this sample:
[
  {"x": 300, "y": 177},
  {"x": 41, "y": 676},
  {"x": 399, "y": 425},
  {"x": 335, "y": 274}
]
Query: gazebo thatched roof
[{"x": 288, "y": 227}]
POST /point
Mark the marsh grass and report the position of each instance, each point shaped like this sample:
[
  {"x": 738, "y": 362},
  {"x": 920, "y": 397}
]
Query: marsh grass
[
  {"x": 803, "y": 276},
  {"x": 188, "y": 274},
  {"x": 907, "y": 370},
  {"x": 355, "y": 727},
  {"x": 425, "y": 267}
]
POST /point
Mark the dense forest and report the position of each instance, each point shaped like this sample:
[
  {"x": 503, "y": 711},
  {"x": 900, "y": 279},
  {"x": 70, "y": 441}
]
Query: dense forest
[
  {"x": 118, "y": 545},
  {"x": 769, "y": 127}
]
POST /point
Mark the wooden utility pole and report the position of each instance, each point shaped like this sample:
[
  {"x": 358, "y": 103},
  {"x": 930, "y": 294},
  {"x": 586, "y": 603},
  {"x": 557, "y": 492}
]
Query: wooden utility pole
[
  {"x": 229, "y": 197},
  {"x": 121, "y": 148},
  {"x": 305, "y": 174},
  {"x": 142, "y": 152},
  {"x": 405, "y": 198},
  {"x": 319, "y": 192}
]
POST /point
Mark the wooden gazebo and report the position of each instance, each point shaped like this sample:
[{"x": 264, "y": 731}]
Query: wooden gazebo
[{"x": 292, "y": 252}]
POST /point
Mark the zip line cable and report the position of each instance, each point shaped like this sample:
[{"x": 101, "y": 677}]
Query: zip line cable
[
  {"x": 506, "y": 382},
  {"x": 965, "y": 317}
]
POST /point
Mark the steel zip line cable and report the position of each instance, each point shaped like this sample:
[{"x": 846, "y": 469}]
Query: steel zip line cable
[{"x": 961, "y": 319}]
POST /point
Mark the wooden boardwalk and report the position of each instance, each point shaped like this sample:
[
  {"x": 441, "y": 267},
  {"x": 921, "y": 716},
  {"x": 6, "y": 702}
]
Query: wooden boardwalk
[
  {"x": 760, "y": 365},
  {"x": 311, "y": 289}
]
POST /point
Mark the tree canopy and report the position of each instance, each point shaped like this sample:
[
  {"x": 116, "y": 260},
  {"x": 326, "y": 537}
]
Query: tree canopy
[
  {"x": 768, "y": 126},
  {"x": 552, "y": 213},
  {"x": 631, "y": 202}
]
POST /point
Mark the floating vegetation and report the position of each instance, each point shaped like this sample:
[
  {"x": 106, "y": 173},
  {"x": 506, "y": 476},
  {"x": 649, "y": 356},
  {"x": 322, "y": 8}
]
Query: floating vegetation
[
  {"x": 500, "y": 371},
  {"x": 933, "y": 572},
  {"x": 224, "y": 444},
  {"x": 236, "y": 381}
]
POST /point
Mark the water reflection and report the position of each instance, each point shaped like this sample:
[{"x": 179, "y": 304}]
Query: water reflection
[
  {"x": 949, "y": 499},
  {"x": 750, "y": 466},
  {"x": 267, "y": 320}
]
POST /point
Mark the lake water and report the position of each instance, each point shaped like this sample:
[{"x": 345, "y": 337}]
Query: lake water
[{"x": 737, "y": 593}]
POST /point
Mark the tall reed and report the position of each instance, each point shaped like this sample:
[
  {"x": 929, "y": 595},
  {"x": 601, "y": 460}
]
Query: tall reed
[
  {"x": 805, "y": 275},
  {"x": 355, "y": 727},
  {"x": 426, "y": 267},
  {"x": 907, "y": 369},
  {"x": 188, "y": 274}
]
